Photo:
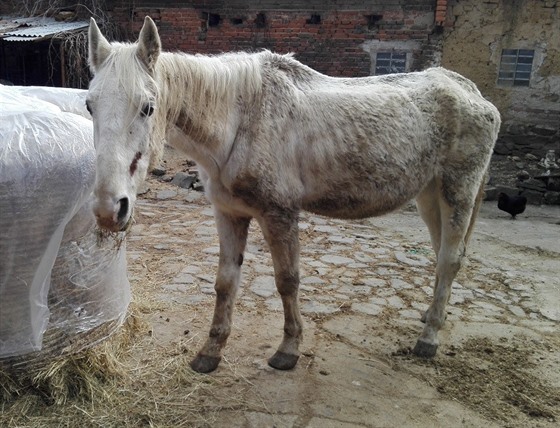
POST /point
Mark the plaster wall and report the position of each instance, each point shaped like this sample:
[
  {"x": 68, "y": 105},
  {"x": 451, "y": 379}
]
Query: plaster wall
[{"x": 477, "y": 31}]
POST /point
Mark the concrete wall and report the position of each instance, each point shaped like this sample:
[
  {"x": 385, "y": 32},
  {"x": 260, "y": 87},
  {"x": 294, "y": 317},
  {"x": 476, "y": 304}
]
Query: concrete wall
[
  {"x": 477, "y": 31},
  {"x": 336, "y": 37}
]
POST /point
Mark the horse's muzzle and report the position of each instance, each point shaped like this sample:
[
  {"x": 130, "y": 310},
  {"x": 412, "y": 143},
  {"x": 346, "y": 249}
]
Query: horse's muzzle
[{"x": 114, "y": 217}]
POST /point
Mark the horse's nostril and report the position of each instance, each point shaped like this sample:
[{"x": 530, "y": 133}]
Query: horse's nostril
[{"x": 123, "y": 209}]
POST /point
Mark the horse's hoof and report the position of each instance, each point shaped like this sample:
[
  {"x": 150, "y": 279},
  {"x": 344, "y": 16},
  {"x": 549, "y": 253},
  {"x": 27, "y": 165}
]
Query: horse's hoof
[
  {"x": 283, "y": 361},
  {"x": 424, "y": 349},
  {"x": 205, "y": 363}
]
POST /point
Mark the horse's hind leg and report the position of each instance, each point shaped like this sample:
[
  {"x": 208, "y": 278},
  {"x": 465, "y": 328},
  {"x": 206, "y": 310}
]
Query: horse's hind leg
[
  {"x": 233, "y": 238},
  {"x": 457, "y": 209},
  {"x": 427, "y": 203},
  {"x": 280, "y": 230}
]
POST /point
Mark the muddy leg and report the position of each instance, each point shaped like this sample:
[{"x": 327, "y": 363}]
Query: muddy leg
[
  {"x": 449, "y": 261},
  {"x": 427, "y": 203},
  {"x": 233, "y": 237},
  {"x": 281, "y": 233}
]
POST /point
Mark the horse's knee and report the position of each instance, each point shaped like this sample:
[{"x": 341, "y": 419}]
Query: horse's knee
[
  {"x": 225, "y": 286},
  {"x": 449, "y": 263},
  {"x": 449, "y": 267},
  {"x": 287, "y": 283}
]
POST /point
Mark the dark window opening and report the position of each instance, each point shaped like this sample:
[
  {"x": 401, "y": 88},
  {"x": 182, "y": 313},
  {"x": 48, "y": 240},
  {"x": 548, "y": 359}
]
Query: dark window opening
[
  {"x": 236, "y": 21},
  {"x": 212, "y": 19},
  {"x": 260, "y": 20},
  {"x": 373, "y": 21},
  {"x": 314, "y": 20},
  {"x": 31, "y": 63},
  {"x": 515, "y": 67},
  {"x": 390, "y": 62}
]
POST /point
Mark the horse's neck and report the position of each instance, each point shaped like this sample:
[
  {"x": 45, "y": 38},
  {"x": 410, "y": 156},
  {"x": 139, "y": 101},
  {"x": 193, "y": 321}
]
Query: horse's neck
[
  {"x": 195, "y": 96},
  {"x": 198, "y": 111}
]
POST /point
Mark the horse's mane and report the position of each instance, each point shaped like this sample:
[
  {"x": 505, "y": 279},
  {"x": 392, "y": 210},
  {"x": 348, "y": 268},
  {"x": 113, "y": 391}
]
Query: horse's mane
[{"x": 205, "y": 88}]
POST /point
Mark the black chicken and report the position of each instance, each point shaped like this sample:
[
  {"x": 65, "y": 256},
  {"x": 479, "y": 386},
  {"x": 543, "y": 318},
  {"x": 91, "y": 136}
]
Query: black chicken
[{"x": 512, "y": 204}]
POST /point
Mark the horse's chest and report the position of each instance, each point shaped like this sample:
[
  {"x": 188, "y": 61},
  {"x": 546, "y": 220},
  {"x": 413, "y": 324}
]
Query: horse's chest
[{"x": 225, "y": 200}]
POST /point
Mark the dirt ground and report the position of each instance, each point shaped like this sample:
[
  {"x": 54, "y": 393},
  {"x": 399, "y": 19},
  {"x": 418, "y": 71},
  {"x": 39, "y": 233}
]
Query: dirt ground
[{"x": 498, "y": 363}]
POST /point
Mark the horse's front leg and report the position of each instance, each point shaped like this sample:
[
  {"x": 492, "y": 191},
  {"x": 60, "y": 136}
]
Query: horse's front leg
[
  {"x": 280, "y": 230},
  {"x": 232, "y": 232}
]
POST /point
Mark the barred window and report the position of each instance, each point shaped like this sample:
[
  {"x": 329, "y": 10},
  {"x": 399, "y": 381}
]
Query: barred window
[
  {"x": 515, "y": 67},
  {"x": 390, "y": 62}
]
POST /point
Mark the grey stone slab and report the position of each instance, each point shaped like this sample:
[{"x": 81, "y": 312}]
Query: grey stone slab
[
  {"x": 341, "y": 239},
  {"x": 312, "y": 280},
  {"x": 184, "y": 278},
  {"x": 326, "y": 228},
  {"x": 211, "y": 250},
  {"x": 274, "y": 304},
  {"x": 336, "y": 260},
  {"x": 263, "y": 286},
  {"x": 314, "y": 307},
  {"x": 374, "y": 282},
  {"x": 368, "y": 308},
  {"x": 412, "y": 259},
  {"x": 410, "y": 313},
  {"x": 396, "y": 302},
  {"x": 399, "y": 284},
  {"x": 166, "y": 194},
  {"x": 354, "y": 289},
  {"x": 517, "y": 311}
]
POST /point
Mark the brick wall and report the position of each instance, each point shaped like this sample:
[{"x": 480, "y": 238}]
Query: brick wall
[{"x": 333, "y": 37}]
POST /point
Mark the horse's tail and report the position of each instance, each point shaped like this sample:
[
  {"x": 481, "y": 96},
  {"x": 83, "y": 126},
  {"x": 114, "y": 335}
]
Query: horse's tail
[{"x": 476, "y": 209}]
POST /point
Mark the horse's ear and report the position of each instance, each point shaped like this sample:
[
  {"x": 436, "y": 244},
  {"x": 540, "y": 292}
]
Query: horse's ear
[
  {"x": 149, "y": 44},
  {"x": 99, "y": 47}
]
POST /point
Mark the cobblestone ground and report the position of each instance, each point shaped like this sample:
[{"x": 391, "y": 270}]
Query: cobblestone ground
[{"x": 364, "y": 285}]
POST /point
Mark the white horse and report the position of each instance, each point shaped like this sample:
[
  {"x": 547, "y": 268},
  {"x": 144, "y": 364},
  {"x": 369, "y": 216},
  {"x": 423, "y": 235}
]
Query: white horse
[{"x": 275, "y": 137}]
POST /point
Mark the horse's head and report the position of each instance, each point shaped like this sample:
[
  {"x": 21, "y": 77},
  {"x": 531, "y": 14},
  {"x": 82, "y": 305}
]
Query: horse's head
[{"x": 122, "y": 97}]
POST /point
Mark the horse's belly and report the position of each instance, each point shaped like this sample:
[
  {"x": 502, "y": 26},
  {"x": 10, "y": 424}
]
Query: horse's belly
[{"x": 348, "y": 206}]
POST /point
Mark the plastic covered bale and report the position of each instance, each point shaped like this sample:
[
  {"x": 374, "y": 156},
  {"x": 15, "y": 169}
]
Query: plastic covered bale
[
  {"x": 62, "y": 287},
  {"x": 66, "y": 99}
]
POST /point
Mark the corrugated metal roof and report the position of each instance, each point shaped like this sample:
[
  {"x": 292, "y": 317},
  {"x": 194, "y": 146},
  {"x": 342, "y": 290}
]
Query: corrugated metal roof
[
  {"x": 26, "y": 29},
  {"x": 11, "y": 23}
]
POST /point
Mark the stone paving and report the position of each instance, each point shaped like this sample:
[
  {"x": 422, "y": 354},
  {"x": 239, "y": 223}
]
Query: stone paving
[
  {"x": 364, "y": 286},
  {"x": 342, "y": 264}
]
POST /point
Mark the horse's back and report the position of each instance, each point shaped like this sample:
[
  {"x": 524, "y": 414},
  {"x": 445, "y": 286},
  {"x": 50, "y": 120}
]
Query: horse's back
[{"x": 354, "y": 148}]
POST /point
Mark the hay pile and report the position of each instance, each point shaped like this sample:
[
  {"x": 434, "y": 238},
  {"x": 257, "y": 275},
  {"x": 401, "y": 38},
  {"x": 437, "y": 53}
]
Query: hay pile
[{"x": 124, "y": 382}]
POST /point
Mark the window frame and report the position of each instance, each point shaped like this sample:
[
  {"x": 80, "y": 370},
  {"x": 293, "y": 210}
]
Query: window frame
[
  {"x": 401, "y": 57},
  {"x": 516, "y": 68}
]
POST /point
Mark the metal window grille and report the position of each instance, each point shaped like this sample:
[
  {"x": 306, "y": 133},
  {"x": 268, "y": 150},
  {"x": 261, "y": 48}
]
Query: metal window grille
[
  {"x": 515, "y": 67},
  {"x": 390, "y": 62}
]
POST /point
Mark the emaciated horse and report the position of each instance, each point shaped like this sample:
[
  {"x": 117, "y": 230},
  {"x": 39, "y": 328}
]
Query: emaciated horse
[{"x": 275, "y": 137}]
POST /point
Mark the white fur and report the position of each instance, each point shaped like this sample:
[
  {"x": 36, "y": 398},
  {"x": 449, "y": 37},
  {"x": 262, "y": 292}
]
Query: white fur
[{"x": 274, "y": 137}]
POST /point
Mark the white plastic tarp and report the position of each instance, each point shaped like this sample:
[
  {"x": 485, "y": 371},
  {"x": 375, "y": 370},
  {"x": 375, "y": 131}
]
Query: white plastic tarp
[{"x": 47, "y": 171}]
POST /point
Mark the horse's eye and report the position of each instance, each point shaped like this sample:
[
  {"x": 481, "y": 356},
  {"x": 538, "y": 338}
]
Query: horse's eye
[
  {"x": 88, "y": 106},
  {"x": 147, "y": 110}
]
